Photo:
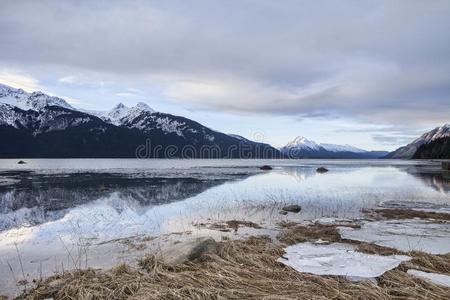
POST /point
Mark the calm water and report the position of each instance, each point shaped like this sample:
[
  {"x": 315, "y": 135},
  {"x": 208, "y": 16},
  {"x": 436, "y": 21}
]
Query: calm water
[{"x": 50, "y": 208}]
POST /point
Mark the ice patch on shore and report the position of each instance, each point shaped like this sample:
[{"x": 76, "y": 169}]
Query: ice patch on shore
[
  {"x": 435, "y": 278},
  {"x": 404, "y": 235},
  {"x": 338, "y": 259}
]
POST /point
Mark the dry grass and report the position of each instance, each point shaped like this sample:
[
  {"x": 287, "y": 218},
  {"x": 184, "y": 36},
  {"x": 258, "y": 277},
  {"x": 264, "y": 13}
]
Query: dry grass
[
  {"x": 371, "y": 248},
  {"x": 231, "y": 225},
  {"x": 294, "y": 233},
  {"x": 410, "y": 214},
  {"x": 431, "y": 263},
  {"x": 247, "y": 269},
  {"x": 241, "y": 270}
]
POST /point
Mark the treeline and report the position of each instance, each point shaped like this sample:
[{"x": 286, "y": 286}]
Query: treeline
[{"x": 439, "y": 148}]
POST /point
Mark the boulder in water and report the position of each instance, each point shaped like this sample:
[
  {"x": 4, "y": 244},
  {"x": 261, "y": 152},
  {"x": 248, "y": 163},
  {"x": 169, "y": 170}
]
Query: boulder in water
[
  {"x": 322, "y": 170},
  {"x": 292, "y": 208},
  {"x": 266, "y": 168}
]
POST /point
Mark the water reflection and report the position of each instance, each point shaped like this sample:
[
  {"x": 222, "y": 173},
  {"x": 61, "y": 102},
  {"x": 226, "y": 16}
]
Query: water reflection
[
  {"x": 440, "y": 180},
  {"x": 343, "y": 192},
  {"x": 35, "y": 198}
]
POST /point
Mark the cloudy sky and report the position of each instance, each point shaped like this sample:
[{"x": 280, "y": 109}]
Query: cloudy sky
[{"x": 374, "y": 74}]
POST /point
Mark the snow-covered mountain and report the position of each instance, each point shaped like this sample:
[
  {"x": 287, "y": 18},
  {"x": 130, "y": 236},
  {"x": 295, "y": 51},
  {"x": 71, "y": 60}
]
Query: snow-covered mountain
[
  {"x": 46, "y": 119},
  {"x": 341, "y": 148},
  {"x": 409, "y": 150},
  {"x": 301, "y": 147},
  {"x": 121, "y": 114},
  {"x": 25, "y": 101},
  {"x": 301, "y": 143},
  {"x": 39, "y": 125}
]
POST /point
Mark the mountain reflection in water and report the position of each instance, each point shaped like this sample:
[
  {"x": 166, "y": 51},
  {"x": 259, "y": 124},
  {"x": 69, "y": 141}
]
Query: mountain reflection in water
[{"x": 37, "y": 198}]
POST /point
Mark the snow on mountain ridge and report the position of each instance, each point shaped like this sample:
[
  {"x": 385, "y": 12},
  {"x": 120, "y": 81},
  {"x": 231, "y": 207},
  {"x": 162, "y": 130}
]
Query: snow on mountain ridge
[
  {"x": 301, "y": 142},
  {"x": 34, "y": 101},
  {"x": 120, "y": 113},
  {"x": 341, "y": 148},
  {"x": 436, "y": 133},
  {"x": 409, "y": 150}
]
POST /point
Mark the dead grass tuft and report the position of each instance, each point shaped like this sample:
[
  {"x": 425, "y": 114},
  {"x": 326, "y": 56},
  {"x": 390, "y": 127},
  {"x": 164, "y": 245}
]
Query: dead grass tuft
[
  {"x": 431, "y": 263},
  {"x": 294, "y": 233},
  {"x": 231, "y": 225},
  {"x": 371, "y": 248},
  {"x": 410, "y": 214}
]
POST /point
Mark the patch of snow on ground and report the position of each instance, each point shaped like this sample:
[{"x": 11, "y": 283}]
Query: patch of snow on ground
[
  {"x": 435, "y": 278},
  {"x": 338, "y": 259},
  {"x": 404, "y": 235}
]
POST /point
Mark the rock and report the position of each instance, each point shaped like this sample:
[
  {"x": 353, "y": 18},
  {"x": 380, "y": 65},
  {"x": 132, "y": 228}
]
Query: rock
[
  {"x": 266, "y": 168},
  {"x": 292, "y": 208},
  {"x": 282, "y": 212},
  {"x": 21, "y": 162},
  {"x": 322, "y": 170},
  {"x": 187, "y": 251}
]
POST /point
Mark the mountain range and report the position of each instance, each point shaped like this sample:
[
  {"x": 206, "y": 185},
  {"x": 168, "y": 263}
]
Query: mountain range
[
  {"x": 301, "y": 147},
  {"x": 429, "y": 145},
  {"x": 39, "y": 125}
]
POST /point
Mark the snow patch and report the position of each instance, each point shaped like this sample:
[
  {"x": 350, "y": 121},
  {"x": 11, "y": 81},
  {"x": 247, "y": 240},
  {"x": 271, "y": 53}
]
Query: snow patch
[
  {"x": 435, "y": 278},
  {"x": 338, "y": 259},
  {"x": 404, "y": 235}
]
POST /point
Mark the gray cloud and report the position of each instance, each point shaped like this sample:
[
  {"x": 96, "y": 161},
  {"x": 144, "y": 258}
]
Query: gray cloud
[{"x": 377, "y": 61}]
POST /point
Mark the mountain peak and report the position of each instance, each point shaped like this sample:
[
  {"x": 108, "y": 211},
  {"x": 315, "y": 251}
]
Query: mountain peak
[
  {"x": 119, "y": 106},
  {"x": 26, "y": 101},
  {"x": 300, "y": 142},
  {"x": 144, "y": 107}
]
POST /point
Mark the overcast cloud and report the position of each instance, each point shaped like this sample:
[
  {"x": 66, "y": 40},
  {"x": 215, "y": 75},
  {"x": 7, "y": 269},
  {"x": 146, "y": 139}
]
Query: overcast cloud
[{"x": 381, "y": 62}]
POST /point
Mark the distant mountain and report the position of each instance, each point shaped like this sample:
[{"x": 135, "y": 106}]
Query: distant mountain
[
  {"x": 410, "y": 150},
  {"x": 436, "y": 149},
  {"x": 39, "y": 125},
  {"x": 301, "y": 147}
]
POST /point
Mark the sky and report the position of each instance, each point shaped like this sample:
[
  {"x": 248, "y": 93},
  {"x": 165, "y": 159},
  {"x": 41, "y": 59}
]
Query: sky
[{"x": 373, "y": 74}]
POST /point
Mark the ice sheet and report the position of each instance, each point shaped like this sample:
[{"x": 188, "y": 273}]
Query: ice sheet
[
  {"x": 405, "y": 235},
  {"x": 338, "y": 259},
  {"x": 435, "y": 278}
]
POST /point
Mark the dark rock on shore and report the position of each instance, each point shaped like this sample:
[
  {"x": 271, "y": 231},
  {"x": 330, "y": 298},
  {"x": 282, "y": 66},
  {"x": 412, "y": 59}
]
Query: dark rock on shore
[
  {"x": 266, "y": 168},
  {"x": 188, "y": 251},
  {"x": 292, "y": 208},
  {"x": 21, "y": 162},
  {"x": 322, "y": 170}
]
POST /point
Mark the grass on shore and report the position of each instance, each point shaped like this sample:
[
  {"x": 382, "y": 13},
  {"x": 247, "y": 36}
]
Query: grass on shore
[
  {"x": 246, "y": 269},
  {"x": 395, "y": 213}
]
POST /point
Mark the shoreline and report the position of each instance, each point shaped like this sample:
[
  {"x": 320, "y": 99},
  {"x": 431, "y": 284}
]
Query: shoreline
[{"x": 239, "y": 266}]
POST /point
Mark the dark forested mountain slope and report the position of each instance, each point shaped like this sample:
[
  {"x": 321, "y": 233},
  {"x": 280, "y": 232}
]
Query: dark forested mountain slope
[{"x": 439, "y": 148}]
